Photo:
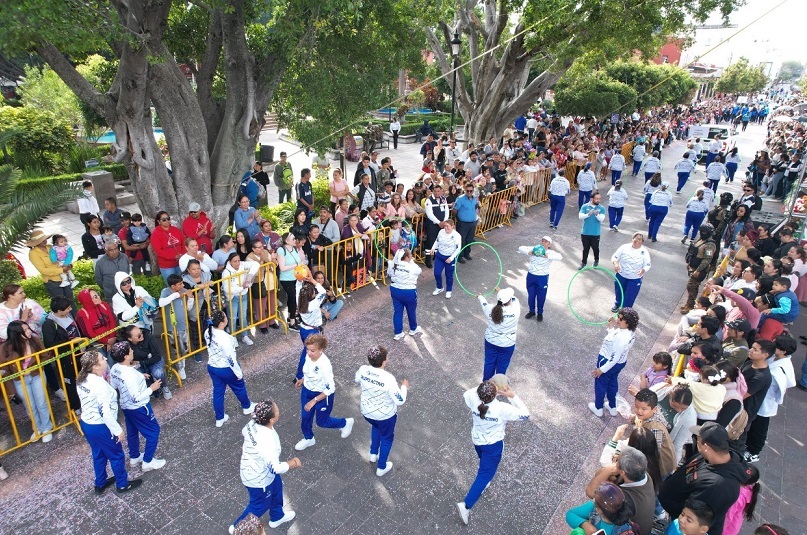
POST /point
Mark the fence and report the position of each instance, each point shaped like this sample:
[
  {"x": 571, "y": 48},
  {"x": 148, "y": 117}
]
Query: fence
[
  {"x": 536, "y": 187},
  {"x": 495, "y": 211},
  {"x": 32, "y": 378}
]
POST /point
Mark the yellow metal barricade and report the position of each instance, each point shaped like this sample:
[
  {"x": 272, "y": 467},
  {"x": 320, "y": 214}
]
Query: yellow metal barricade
[
  {"x": 257, "y": 307},
  {"x": 571, "y": 173},
  {"x": 27, "y": 374},
  {"x": 357, "y": 261},
  {"x": 536, "y": 187},
  {"x": 417, "y": 227},
  {"x": 495, "y": 211}
]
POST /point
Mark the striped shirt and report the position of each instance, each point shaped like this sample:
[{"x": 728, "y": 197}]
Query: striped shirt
[{"x": 631, "y": 260}]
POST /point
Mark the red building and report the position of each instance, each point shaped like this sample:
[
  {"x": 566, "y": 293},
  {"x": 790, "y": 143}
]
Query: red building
[{"x": 669, "y": 53}]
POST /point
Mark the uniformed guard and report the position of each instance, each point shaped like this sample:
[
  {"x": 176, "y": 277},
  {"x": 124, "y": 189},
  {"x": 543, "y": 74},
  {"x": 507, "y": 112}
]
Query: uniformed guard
[
  {"x": 698, "y": 258},
  {"x": 437, "y": 212}
]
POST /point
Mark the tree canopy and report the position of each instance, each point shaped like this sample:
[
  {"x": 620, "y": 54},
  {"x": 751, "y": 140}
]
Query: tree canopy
[
  {"x": 790, "y": 71},
  {"x": 742, "y": 77}
]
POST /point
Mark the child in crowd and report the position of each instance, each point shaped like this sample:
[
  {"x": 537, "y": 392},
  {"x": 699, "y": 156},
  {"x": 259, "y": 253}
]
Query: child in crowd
[
  {"x": 745, "y": 504},
  {"x": 397, "y": 237},
  {"x": 656, "y": 373},
  {"x": 647, "y": 415},
  {"x": 61, "y": 254},
  {"x": 108, "y": 235},
  {"x": 707, "y": 393},
  {"x": 138, "y": 238},
  {"x": 685, "y": 417},
  {"x": 696, "y": 519}
]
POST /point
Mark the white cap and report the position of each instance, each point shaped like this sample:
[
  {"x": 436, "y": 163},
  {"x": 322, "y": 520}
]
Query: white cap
[
  {"x": 547, "y": 238},
  {"x": 194, "y": 207},
  {"x": 505, "y": 295}
]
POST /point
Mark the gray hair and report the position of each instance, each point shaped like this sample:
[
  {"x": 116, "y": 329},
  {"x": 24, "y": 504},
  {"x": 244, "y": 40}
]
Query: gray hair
[{"x": 632, "y": 462}]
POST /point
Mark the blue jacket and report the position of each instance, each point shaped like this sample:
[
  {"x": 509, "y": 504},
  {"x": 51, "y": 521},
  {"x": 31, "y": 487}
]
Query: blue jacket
[
  {"x": 788, "y": 310},
  {"x": 591, "y": 225}
]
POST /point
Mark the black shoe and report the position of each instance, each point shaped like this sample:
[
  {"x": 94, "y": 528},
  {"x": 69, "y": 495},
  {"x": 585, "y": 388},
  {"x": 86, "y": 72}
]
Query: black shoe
[
  {"x": 461, "y": 260},
  {"x": 274, "y": 326},
  {"x": 109, "y": 482},
  {"x": 264, "y": 330},
  {"x": 539, "y": 317},
  {"x": 468, "y": 257},
  {"x": 133, "y": 484},
  {"x": 428, "y": 264},
  {"x": 581, "y": 267},
  {"x": 614, "y": 309},
  {"x": 801, "y": 387},
  {"x": 294, "y": 327},
  {"x": 654, "y": 240},
  {"x": 597, "y": 263},
  {"x": 529, "y": 315}
]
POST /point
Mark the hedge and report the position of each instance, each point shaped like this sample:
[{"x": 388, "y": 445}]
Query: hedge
[
  {"x": 282, "y": 215},
  {"x": 439, "y": 123},
  {"x": 118, "y": 171}
]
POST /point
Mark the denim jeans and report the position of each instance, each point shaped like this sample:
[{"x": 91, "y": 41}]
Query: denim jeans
[
  {"x": 165, "y": 272},
  {"x": 239, "y": 309},
  {"x": 35, "y": 401},
  {"x": 333, "y": 308}
]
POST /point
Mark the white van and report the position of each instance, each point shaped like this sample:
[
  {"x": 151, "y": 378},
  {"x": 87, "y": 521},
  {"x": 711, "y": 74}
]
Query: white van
[{"x": 707, "y": 132}]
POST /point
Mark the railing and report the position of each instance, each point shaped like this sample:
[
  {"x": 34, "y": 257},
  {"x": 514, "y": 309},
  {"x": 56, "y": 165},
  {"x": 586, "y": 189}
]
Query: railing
[
  {"x": 536, "y": 187},
  {"x": 496, "y": 210},
  {"x": 256, "y": 307},
  {"x": 28, "y": 375}
]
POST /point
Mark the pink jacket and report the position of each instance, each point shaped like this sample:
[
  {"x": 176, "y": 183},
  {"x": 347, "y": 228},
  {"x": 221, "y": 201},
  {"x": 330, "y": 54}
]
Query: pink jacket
[{"x": 734, "y": 517}]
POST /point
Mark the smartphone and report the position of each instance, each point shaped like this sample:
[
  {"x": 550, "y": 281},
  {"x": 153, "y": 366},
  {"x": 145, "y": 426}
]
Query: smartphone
[{"x": 599, "y": 532}]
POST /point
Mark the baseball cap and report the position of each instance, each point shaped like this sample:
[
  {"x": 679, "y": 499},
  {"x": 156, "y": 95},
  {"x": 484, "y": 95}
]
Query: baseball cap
[
  {"x": 747, "y": 293},
  {"x": 547, "y": 238},
  {"x": 713, "y": 434},
  {"x": 505, "y": 295},
  {"x": 741, "y": 325},
  {"x": 766, "y": 259},
  {"x": 194, "y": 207}
]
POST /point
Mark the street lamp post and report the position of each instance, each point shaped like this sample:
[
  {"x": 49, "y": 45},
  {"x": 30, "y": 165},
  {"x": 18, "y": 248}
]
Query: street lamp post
[{"x": 455, "y": 54}]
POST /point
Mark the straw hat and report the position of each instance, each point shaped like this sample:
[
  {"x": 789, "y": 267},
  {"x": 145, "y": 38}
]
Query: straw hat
[{"x": 37, "y": 237}]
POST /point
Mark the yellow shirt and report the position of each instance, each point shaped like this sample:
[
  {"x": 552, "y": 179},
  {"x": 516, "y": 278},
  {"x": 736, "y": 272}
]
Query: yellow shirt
[{"x": 40, "y": 258}]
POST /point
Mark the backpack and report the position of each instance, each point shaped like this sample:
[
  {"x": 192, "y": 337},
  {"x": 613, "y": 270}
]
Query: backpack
[{"x": 737, "y": 425}]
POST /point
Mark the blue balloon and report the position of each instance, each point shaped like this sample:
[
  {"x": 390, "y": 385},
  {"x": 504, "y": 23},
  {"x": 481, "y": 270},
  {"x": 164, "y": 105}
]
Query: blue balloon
[{"x": 539, "y": 250}]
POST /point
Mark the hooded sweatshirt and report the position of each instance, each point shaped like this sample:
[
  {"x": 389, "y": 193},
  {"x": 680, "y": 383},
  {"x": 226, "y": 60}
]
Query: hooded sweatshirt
[
  {"x": 124, "y": 307},
  {"x": 95, "y": 320},
  {"x": 718, "y": 485}
]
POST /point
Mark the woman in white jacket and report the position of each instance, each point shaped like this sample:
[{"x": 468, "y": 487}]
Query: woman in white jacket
[
  {"x": 135, "y": 403},
  {"x": 612, "y": 358},
  {"x": 490, "y": 419},
  {"x": 261, "y": 466},
  {"x": 236, "y": 280},
  {"x": 133, "y": 301},
  {"x": 404, "y": 275},
  {"x": 500, "y": 335},
  {"x": 445, "y": 250},
  {"x": 223, "y": 367},
  {"x": 538, "y": 276}
]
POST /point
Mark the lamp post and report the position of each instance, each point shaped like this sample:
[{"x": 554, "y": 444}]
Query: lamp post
[{"x": 455, "y": 54}]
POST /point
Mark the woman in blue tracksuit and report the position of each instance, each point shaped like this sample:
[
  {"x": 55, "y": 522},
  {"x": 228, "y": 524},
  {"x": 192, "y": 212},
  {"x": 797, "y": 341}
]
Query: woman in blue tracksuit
[
  {"x": 310, "y": 295},
  {"x": 446, "y": 247},
  {"x": 99, "y": 423},
  {"x": 684, "y": 168},
  {"x": 660, "y": 203},
  {"x": 697, "y": 208},
  {"x": 586, "y": 183},
  {"x": 651, "y": 165},
  {"x": 612, "y": 358},
  {"x": 134, "y": 402},
  {"x": 261, "y": 466},
  {"x": 223, "y": 367},
  {"x": 650, "y": 187},
  {"x": 500, "y": 335},
  {"x": 403, "y": 273},
  {"x": 490, "y": 418},
  {"x": 538, "y": 276}
]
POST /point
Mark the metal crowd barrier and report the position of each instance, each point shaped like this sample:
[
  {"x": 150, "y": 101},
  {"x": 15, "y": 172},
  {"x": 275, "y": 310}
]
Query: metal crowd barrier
[
  {"x": 536, "y": 187},
  {"x": 496, "y": 210},
  {"x": 28, "y": 375}
]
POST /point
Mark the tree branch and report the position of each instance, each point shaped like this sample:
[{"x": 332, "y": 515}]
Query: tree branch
[{"x": 77, "y": 83}]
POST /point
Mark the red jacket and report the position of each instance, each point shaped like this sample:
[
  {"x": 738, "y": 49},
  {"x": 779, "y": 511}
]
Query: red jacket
[
  {"x": 95, "y": 320},
  {"x": 168, "y": 245},
  {"x": 200, "y": 230}
]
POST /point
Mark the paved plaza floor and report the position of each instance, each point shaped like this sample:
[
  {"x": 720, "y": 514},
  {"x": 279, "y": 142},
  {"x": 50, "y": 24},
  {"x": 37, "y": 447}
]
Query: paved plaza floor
[{"x": 546, "y": 462}]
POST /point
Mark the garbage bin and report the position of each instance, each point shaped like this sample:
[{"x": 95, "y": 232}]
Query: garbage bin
[{"x": 267, "y": 153}]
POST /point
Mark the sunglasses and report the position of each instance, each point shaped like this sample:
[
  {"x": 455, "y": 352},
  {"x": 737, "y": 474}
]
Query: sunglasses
[
  {"x": 165, "y": 219},
  {"x": 746, "y": 189},
  {"x": 194, "y": 212},
  {"x": 127, "y": 282},
  {"x": 469, "y": 191}
]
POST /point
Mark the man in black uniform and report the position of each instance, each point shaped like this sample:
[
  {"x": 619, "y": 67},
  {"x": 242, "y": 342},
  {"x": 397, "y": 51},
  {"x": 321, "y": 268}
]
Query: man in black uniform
[
  {"x": 698, "y": 258},
  {"x": 437, "y": 211}
]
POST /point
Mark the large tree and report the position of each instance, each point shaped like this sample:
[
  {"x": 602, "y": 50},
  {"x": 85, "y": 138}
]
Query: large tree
[
  {"x": 504, "y": 39},
  {"x": 742, "y": 77},
  {"x": 237, "y": 50},
  {"x": 790, "y": 71}
]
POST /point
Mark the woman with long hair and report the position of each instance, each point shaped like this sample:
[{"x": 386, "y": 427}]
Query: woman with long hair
[
  {"x": 301, "y": 224},
  {"x": 263, "y": 294},
  {"x": 236, "y": 280},
  {"x": 332, "y": 305},
  {"x": 261, "y": 466},
  {"x": 411, "y": 206},
  {"x": 403, "y": 273},
  {"x": 490, "y": 417},
  {"x": 310, "y": 295},
  {"x": 99, "y": 423},
  {"x": 500, "y": 334},
  {"x": 135, "y": 397},
  {"x": 289, "y": 256},
  {"x": 21, "y": 344},
  {"x": 223, "y": 367},
  {"x": 243, "y": 243},
  {"x": 741, "y": 220},
  {"x": 612, "y": 358}
]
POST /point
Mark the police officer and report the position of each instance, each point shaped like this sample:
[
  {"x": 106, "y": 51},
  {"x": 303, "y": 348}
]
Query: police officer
[
  {"x": 698, "y": 258},
  {"x": 437, "y": 212}
]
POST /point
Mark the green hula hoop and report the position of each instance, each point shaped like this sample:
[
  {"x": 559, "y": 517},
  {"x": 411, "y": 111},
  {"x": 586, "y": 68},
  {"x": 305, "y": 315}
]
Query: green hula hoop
[
  {"x": 569, "y": 293},
  {"x": 456, "y": 268},
  {"x": 376, "y": 240}
]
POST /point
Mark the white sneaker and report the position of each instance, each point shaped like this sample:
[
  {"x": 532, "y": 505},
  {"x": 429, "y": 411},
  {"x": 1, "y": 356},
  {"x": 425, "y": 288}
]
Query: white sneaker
[
  {"x": 247, "y": 340},
  {"x": 74, "y": 284},
  {"x": 612, "y": 411},
  {"x": 380, "y": 472},
  {"x": 597, "y": 412},
  {"x": 250, "y": 409},
  {"x": 305, "y": 443},
  {"x": 416, "y": 331},
  {"x": 616, "y": 228},
  {"x": 182, "y": 374},
  {"x": 448, "y": 295},
  {"x": 231, "y": 530},
  {"x": 64, "y": 284},
  {"x": 34, "y": 438},
  {"x": 3, "y": 474},
  {"x": 167, "y": 393},
  {"x": 47, "y": 438},
  {"x": 287, "y": 517},
  {"x": 348, "y": 427},
  {"x": 437, "y": 291},
  {"x": 373, "y": 458},
  {"x": 219, "y": 423},
  {"x": 399, "y": 336},
  {"x": 134, "y": 461},
  {"x": 60, "y": 394},
  {"x": 464, "y": 512},
  {"x": 155, "y": 464}
]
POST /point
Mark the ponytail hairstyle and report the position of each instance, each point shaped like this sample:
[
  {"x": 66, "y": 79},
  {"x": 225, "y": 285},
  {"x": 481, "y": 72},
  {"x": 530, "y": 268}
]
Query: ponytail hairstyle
[
  {"x": 307, "y": 292},
  {"x": 665, "y": 359},
  {"x": 264, "y": 412},
  {"x": 752, "y": 473},
  {"x": 216, "y": 318},
  {"x": 401, "y": 255},
  {"x": 655, "y": 181},
  {"x": 376, "y": 356},
  {"x": 88, "y": 360},
  {"x": 497, "y": 313},
  {"x": 487, "y": 393},
  {"x": 731, "y": 371}
]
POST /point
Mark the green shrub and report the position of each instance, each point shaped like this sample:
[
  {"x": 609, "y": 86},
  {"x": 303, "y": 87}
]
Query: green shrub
[
  {"x": 35, "y": 288},
  {"x": 118, "y": 171},
  {"x": 153, "y": 285},
  {"x": 43, "y": 136},
  {"x": 9, "y": 273},
  {"x": 282, "y": 215}
]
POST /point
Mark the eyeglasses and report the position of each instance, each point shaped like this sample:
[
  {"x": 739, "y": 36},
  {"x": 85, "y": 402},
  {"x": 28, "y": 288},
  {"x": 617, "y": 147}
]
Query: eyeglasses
[
  {"x": 194, "y": 212},
  {"x": 127, "y": 282},
  {"x": 165, "y": 218},
  {"x": 469, "y": 191}
]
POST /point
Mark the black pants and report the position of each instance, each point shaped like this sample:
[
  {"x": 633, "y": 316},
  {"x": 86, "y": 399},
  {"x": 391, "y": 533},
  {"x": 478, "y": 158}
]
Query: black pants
[
  {"x": 432, "y": 231},
  {"x": 395, "y": 139},
  {"x": 54, "y": 290},
  {"x": 757, "y": 434},
  {"x": 593, "y": 243},
  {"x": 467, "y": 232},
  {"x": 290, "y": 287}
]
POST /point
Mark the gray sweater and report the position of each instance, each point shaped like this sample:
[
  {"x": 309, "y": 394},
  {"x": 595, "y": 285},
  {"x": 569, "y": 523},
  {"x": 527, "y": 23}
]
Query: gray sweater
[{"x": 105, "y": 269}]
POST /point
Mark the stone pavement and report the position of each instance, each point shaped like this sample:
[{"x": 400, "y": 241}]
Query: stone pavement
[{"x": 546, "y": 461}]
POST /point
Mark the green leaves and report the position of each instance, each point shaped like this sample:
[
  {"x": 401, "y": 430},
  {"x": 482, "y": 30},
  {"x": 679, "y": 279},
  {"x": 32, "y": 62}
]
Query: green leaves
[{"x": 741, "y": 77}]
